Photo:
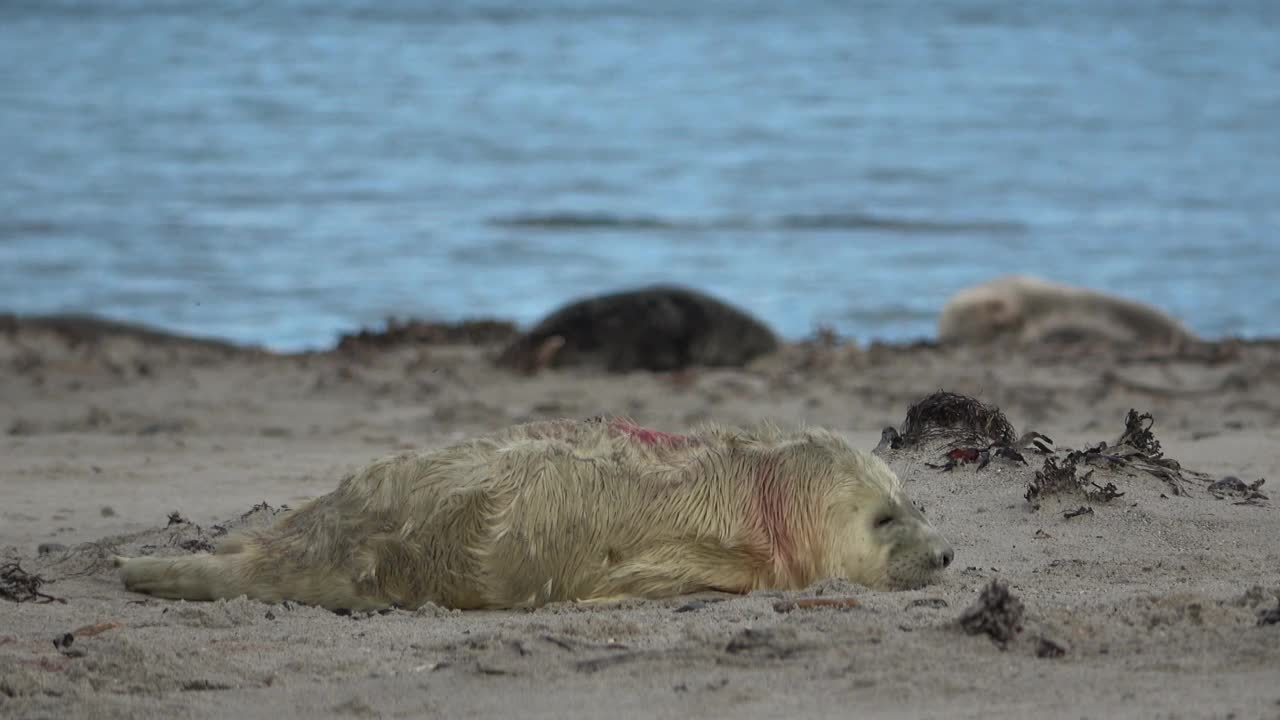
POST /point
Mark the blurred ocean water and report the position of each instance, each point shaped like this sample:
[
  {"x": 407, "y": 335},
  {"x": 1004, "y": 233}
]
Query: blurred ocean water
[{"x": 278, "y": 172}]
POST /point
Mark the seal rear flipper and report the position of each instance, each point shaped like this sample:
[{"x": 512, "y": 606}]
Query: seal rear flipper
[
  {"x": 225, "y": 576},
  {"x": 195, "y": 577}
]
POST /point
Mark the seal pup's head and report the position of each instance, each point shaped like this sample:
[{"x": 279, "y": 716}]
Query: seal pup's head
[{"x": 880, "y": 538}]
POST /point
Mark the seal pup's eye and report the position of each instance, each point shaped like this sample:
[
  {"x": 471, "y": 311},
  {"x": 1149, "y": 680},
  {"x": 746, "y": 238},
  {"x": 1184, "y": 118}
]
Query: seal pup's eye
[{"x": 885, "y": 520}]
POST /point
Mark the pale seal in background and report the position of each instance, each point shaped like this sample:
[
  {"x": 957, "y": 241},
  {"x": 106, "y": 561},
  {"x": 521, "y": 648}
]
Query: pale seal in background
[{"x": 1029, "y": 310}]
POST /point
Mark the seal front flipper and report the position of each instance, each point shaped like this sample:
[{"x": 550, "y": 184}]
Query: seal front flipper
[{"x": 685, "y": 567}]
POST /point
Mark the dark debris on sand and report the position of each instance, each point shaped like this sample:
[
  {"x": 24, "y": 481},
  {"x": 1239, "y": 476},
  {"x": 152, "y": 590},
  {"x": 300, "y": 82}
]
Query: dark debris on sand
[
  {"x": 779, "y": 642},
  {"x": 1269, "y": 617},
  {"x": 996, "y": 613},
  {"x": 1233, "y": 487},
  {"x": 1137, "y": 450},
  {"x": 18, "y": 585},
  {"x": 1049, "y": 648},
  {"x": 421, "y": 332},
  {"x": 202, "y": 541},
  {"x": 195, "y": 545},
  {"x": 263, "y": 508},
  {"x": 1082, "y": 510}
]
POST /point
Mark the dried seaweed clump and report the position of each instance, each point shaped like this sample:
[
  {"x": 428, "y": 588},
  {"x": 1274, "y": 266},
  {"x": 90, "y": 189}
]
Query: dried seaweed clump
[
  {"x": 18, "y": 585},
  {"x": 956, "y": 417},
  {"x": 1137, "y": 434},
  {"x": 996, "y": 612},
  {"x": 1136, "y": 450},
  {"x": 1059, "y": 477}
]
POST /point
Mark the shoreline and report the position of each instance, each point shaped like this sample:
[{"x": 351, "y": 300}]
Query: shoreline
[{"x": 85, "y": 327}]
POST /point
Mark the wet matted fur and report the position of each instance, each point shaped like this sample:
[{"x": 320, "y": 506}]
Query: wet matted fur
[{"x": 577, "y": 510}]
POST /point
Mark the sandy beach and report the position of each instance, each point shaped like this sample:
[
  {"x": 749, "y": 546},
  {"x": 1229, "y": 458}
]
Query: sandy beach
[{"x": 1158, "y": 603}]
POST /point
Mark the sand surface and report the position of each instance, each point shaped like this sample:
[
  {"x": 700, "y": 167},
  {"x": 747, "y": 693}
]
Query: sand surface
[{"x": 1149, "y": 606}]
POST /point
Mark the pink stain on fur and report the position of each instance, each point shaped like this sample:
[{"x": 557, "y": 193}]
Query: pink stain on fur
[
  {"x": 648, "y": 436},
  {"x": 771, "y": 513}
]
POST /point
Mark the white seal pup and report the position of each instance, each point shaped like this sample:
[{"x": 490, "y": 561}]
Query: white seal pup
[{"x": 577, "y": 510}]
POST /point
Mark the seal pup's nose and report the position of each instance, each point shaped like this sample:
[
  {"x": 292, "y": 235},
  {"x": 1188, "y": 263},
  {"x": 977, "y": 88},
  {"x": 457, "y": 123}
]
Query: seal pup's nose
[{"x": 942, "y": 558}]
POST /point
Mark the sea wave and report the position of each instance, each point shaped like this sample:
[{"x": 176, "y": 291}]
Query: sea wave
[
  {"x": 592, "y": 221},
  {"x": 574, "y": 221}
]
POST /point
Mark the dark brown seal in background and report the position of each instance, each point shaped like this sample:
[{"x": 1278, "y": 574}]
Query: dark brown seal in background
[{"x": 652, "y": 328}]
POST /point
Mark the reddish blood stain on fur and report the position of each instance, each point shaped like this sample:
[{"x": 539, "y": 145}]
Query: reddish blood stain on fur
[
  {"x": 649, "y": 436},
  {"x": 771, "y": 513}
]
